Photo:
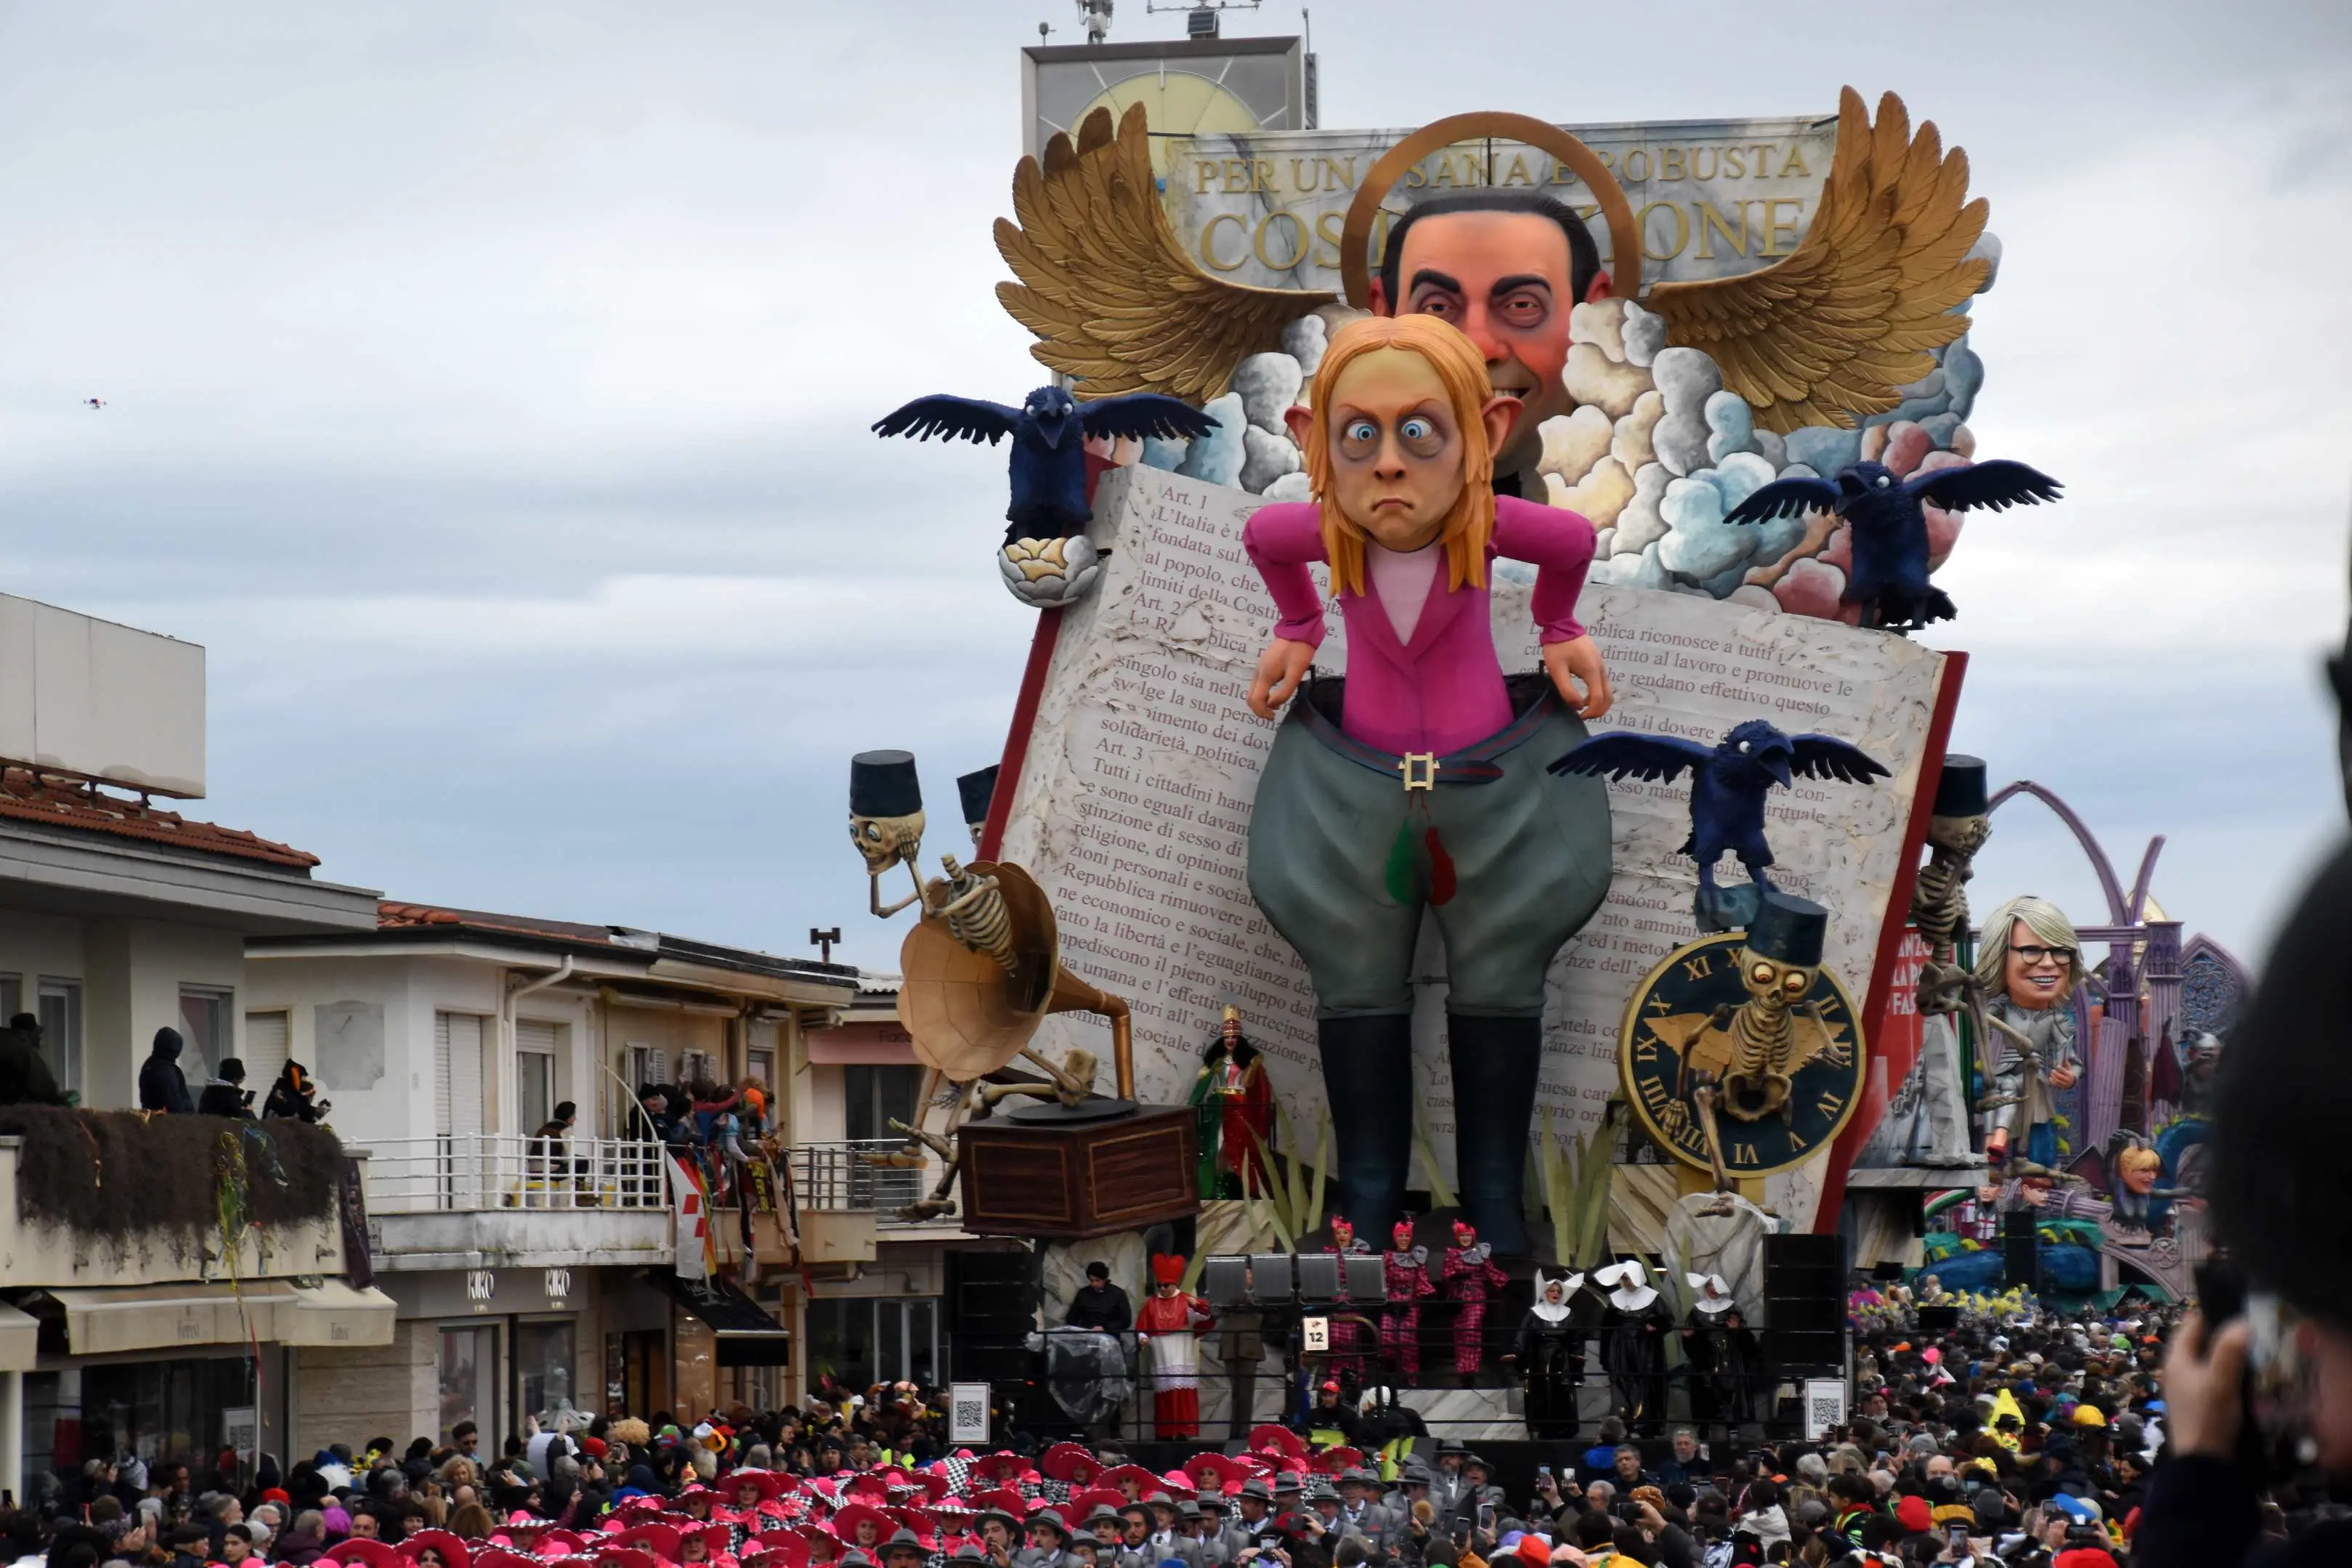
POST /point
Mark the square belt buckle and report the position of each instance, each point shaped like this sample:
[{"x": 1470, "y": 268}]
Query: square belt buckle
[{"x": 1419, "y": 770}]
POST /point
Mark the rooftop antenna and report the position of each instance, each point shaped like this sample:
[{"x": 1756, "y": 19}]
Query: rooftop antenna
[
  {"x": 1201, "y": 17},
  {"x": 1094, "y": 15},
  {"x": 1044, "y": 31}
]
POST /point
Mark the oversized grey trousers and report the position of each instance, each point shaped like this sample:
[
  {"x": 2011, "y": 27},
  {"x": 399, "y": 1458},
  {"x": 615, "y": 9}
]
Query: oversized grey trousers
[{"x": 1529, "y": 852}]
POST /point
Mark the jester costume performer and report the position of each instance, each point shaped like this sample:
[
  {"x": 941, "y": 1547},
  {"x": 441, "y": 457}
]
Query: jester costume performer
[
  {"x": 1415, "y": 782},
  {"x": 1405, "y": 1270},
  {"x": 1470, "y": 1276},
  {"x": 1167, "y": 1323},
  {"x": 1347, "y": 1336}
]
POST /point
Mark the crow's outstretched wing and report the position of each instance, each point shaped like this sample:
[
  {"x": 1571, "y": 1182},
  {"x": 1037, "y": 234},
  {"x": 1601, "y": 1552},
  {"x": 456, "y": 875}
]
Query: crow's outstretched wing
[
  {"x": 949, "y": 417},
  {"x": 1827, "y": 757},
  {"x": 1139, "y": 415},
  {"x": 1999, "y": 484},
  {"x": 1621, "y": 753},
  {"x": 1785, "y": 498}
]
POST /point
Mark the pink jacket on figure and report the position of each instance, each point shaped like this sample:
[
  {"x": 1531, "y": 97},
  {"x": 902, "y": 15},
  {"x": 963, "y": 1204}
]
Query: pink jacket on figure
[{"x": 1442, "y": 690}]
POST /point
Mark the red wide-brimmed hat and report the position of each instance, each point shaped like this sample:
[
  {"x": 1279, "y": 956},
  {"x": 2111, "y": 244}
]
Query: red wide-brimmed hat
[
  {"x": 453, "y": 1548},
  {"x": 1070, "y": 1462}
]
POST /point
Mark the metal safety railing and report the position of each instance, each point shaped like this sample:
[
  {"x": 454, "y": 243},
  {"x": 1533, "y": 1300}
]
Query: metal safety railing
[
  {"x": 844, "y": 1175},
  {"x": 459, "y": 1174}
]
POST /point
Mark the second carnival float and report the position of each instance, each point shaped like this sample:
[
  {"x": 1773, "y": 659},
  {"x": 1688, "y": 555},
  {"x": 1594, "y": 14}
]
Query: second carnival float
[{"x": 1471, "y": 931}]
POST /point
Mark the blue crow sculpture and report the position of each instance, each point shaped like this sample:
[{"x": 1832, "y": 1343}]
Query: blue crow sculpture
[
  {"x": 1046, "y": 559},
  {"x": 1728, "y": 784},
  {"x": 1889, "y": 525}
]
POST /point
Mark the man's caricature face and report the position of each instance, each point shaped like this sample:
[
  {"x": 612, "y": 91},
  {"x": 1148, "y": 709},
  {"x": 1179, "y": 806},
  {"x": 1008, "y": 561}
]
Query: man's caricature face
[{"x": 1502, "y": 278}]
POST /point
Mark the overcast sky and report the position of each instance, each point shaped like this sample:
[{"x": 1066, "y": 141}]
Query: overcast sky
[{"x": 486, "y": 389}]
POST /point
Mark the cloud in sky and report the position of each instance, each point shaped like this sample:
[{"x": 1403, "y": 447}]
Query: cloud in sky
[{"x": 488, "y": 390}]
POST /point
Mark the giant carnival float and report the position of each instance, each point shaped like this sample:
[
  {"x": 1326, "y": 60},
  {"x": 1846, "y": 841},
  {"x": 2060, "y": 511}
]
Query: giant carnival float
[{"x": 1474, "y": 914}]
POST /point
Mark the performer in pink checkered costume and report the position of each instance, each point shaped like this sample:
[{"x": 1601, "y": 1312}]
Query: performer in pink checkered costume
[
  {"x": 1406, "y": 1269},
  {"x": 1470, "y": 1277}
]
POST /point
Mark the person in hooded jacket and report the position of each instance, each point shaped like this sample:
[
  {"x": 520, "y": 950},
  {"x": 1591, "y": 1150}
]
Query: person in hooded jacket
[
  {"x": 292, "y": 1095},
  {"x": 161, "y": 1085},
  {"x": 25, "y": 1075},
  {"x": 226, "y": 1095}
]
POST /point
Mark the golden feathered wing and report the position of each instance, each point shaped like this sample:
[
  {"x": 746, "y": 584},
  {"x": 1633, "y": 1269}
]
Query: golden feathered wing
[
  {"x": 1852, "y": 315},
  {"x": 1115, "y": 302}
]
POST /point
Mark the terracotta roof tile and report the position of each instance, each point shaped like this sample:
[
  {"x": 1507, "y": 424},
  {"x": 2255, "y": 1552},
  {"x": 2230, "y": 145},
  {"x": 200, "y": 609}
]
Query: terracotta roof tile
[{"x": 29, "y": 796}]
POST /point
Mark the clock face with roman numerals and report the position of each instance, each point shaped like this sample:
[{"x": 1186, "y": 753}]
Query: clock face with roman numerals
[{"x": 1671, "y": 1021}]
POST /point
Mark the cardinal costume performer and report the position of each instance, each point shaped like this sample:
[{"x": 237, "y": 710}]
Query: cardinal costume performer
[
  {"x": 1470, "y": 1277},
  {"x": 1405, "y": 1270},
  {"x": 1166, "y": 1323}
]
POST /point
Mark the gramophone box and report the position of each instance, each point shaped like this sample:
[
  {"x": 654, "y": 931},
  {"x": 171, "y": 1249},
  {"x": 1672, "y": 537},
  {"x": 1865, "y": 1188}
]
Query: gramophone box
[{"x": 1068, "y": 1181}]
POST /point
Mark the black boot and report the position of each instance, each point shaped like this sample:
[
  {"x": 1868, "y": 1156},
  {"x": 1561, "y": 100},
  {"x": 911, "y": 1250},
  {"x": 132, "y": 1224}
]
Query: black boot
[
  {"x": 1496, "y": 1062},
  {"x": 1368, "y": 1079}
]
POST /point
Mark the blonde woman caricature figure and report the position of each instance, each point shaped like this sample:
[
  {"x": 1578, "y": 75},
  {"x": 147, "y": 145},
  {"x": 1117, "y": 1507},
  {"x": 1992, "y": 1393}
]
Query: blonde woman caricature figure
[
  {"x": 1416, "y": 782},
  {"x": 2029, "y": 966}
]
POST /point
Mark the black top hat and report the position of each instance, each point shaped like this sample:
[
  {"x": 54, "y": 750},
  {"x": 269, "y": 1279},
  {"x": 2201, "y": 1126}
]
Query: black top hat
[
  {"x": 1961, "y": 792},
  {"x": 1788, "y": 928},
  {"x": 977, "y": 790},
  {"x": 882, "y": 784}
]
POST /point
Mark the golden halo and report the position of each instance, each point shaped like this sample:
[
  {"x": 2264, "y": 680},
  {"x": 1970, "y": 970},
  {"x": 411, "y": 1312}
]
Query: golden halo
[{"x": 1625, "y": 239}]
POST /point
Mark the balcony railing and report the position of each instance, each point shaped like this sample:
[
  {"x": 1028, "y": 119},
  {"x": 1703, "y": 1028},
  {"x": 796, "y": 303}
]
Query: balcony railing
[
  {"x": 447, "y": 1175},
  {"x": 842, "y": 1177}
]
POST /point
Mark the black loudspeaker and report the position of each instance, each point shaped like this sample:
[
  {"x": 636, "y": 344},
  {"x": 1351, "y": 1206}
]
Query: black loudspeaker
[
  {"x": 1368, "y": 1277},
  {"x": 1270, "y": 1276},
  {"x": 2020, "y": 1251},
  {"x": 1318, "y": 1277},
  {"x": 991, "y": 1307},
  {"x": 1804, "y": 1305},
  {"x": 1225, "y": 1281}
]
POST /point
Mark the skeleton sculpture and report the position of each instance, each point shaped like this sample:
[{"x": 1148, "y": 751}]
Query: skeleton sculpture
[
  {"x": 1742, "y": 1061},
  {"x": 1939, "y": 901},
  {"x": 886, "y": 824},
  {"x": 886, "y": 821}
]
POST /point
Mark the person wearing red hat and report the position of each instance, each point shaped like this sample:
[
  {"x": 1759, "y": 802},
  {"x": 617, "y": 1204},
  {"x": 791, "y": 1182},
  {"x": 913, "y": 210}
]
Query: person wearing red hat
[
  {"x": 1404, "y": 1268},
  {"x": 1471, "y": 1275},
  {"x": 1168, "y": 1325}
]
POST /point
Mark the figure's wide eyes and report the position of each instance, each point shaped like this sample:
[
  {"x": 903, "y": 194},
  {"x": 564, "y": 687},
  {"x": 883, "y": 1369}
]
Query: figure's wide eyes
[
  {"x": 1763, "y": 973},
  {"x": 1359, "y": 431},
  {"x": 1793, "y": 984},
  {"x": 1884, "y": 481},
  {"x": 1743, "y": 746},
  {"x": 1416, "y": 429}
]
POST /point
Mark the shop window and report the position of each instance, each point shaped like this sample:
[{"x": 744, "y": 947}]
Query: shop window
[
  {"x": 874, "y": 1340},
  {"x": 468, "y": 1373},
  {"x": 545, "y": 1362}
]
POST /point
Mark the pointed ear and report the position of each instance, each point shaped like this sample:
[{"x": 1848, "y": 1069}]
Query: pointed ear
[
  {"x": 1600, "y": 287},
  {"x": 1502, "y": 415},
  {"x": 1299, "y": 420}
]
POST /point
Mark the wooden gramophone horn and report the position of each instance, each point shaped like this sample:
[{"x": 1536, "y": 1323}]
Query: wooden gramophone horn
[{"x": 968, "y": 1018}]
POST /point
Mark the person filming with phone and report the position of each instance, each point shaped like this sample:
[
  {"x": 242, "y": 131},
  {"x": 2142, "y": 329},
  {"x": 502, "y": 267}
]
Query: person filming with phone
[{"x": 2265, "y": 1387}]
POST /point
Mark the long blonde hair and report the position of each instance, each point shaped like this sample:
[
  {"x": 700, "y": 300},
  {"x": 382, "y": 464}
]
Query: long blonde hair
[
  {"x": 1462, "y": 371},
  {"x": 2049, "y": 924}
]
